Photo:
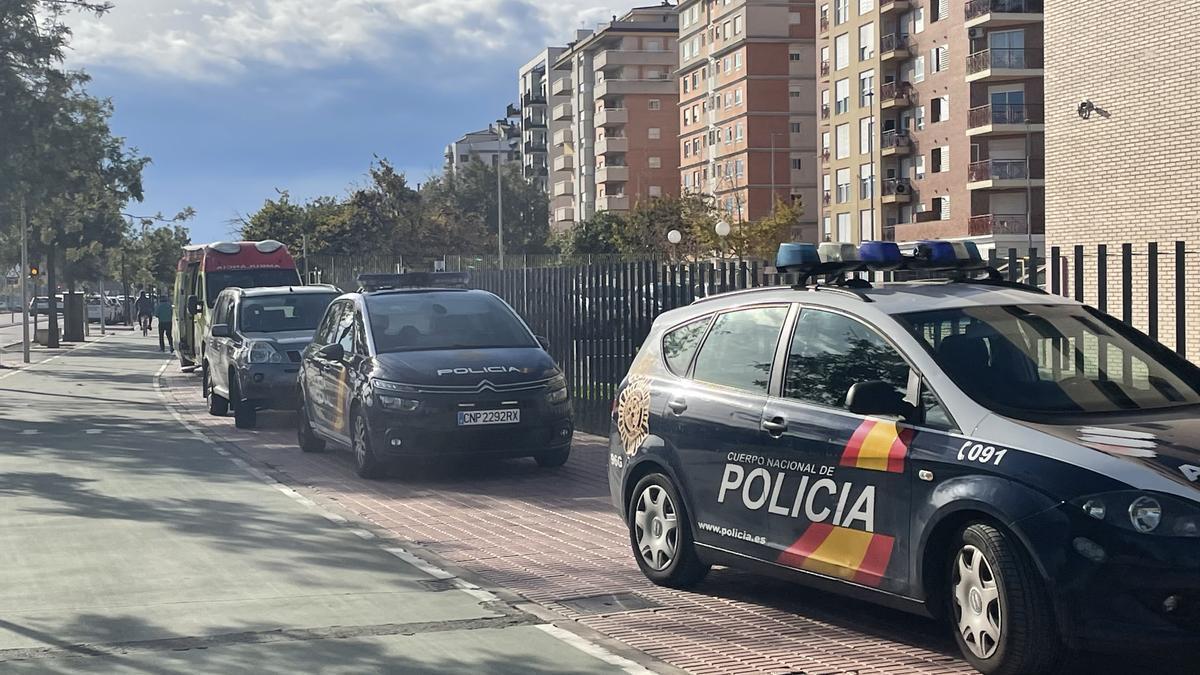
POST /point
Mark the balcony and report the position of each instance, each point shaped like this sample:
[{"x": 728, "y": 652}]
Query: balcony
[
  {"x": 824, "y": 111},
  {"x": 894, "y": 143},
  {"x": 826, "y": 198},
  {"x": 532, "y": 147},
  {"x": 612, "y": 174},
  {"x": 1005, "y": 119},
  {"x": 564, "y": 163},
  {"x": 624, "y": 57},
  {"x": 889, "y": 6},
  {"x": 825, "y": 156},
  {"x": 1001, "y": 224},
  {"x": 612, "y": 203},
  {"x": 896, "y": 191},
  {"x": 561, "y": 87},
  {"x": 530, "y": 122},
  {"x": 1001, "y": 174},
  {"x": 611, "y": 144},
  {"x": 564, "y": 214},
  {"x": 824, "y": 24},
  {"x": 997, "y": 65},
  {"x": 607, "y": 117},
  {"x": 562, "y": 112},
  {"x": 1001, "y": 13},
  {"x": 529, "y": 99},
  {"x": 564, "y": 188},
  {"x": 926, "y": 216},
  {"x": 893, "y": 46},
  {"x": 563, "y": 137},
  {"x": 824, "y": 70},
  {"x": 614, "y": 87},
  {"x": 895, "y": 95},
  {"x": 532, "y": 172}
]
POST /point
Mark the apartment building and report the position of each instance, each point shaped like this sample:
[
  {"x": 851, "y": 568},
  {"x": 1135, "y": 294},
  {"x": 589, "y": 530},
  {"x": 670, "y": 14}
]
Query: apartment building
[
  {"x": 747, "y": 107},
  {"x": 621, "y": 115},
  {"x": 932, "y": 120},
  {"x": 540, "y": 87},
  {"x": 482, "y": 146}
]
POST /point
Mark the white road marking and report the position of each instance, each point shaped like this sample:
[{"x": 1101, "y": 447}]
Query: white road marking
[
  {"x": 93, "y": 432},
  {"x": 29, "y": 432},
  {"x": 25, "y": 369}
]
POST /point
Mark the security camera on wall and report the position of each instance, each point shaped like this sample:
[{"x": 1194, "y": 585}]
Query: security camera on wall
[{"x": 1086, "y": 108}]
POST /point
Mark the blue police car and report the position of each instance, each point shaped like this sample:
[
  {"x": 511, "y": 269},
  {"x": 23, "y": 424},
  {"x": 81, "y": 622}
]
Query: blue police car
[{"x": 1014, "y": 462}]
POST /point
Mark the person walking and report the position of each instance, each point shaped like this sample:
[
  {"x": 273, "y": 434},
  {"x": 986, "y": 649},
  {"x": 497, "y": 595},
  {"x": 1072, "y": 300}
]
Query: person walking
[{"x": 165, "y": 313}]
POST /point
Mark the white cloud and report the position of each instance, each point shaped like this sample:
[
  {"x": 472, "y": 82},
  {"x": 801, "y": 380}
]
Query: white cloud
[{"x": 219, "y": 39}]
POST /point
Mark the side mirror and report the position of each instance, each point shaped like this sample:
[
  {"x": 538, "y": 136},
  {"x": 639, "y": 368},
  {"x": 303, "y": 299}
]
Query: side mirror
[
  {"x": 193, "y": 305},
  {"x": 221, "y": 330},
  {"x": 877, "y": 398},
  {"x": 543, "y": 341},
  {"x": 333, "y": 352}
]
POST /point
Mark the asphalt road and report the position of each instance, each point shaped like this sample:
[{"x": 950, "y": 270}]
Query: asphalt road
[{"x": 129, "y": 544}]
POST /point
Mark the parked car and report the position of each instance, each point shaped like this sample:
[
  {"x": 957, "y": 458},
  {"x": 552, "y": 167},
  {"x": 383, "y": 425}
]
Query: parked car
[
  {"x": 254, "y": 347},
  {"x": 41, "y": 305}
]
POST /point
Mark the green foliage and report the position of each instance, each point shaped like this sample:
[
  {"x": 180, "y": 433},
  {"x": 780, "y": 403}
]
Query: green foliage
[{"x": 595, "y": 236}]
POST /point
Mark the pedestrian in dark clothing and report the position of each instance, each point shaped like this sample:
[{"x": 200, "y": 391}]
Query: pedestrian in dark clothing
[{"x": 165, "y": 313}]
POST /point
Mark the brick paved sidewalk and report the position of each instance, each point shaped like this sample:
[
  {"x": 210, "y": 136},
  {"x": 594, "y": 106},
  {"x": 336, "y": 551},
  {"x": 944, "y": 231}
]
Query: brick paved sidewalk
[{"x": 552, "y": 537}]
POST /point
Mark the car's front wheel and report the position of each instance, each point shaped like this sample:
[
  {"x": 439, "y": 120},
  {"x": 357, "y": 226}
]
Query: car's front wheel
[
  {"x": 1003, "y": 620},
  {"x": 218, "y": 406},
  {"x": 306, "y": 438},
  {"x": 366, "y": 463},
  {"x": 245, "y": 415},
  {"x": 661, "y": 535}
]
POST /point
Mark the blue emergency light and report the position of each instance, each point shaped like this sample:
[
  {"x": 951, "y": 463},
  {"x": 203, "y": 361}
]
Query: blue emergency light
[
  {"x": 880, "y": 255},
  {"x": 385, "y": 281},
  {"x": 837, "y": 258}
]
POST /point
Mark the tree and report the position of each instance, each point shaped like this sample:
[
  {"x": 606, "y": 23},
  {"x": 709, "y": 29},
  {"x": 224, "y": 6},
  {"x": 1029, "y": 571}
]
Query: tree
[
  {"x": 761, "y": 238},
  {"x": 650, "y": 220},
  {"x": 594, "y": 236}
]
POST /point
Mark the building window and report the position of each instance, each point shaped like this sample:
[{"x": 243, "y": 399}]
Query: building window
[
  {"x": 825, "y": 227},
  {"x": 655, "y": 162},
  {"x": 843, "y": 186},
  {"x": 655, "y": 104},
  {"x": 866, "y": 181},
  {"x": 941, "y": 206},
  {"x": 939, "y": 59},
  {"x": 794, "y": 56},
  {"x": 737, "y": 96},
  {"x": 687, "y": 149},
  {"x": 918, "y": 69},
  {"x": 655, "y": 133},
  {"x": 797, "y": 128},
  {"x": 737, "y": 25},
  {"x": 737, "y": 61},
  {"x": 866, "y": 226},
  {"x": 920, "y": 118},
  {"x": 843, "y": 226},
  {"x": 941, "y": 10},
  {"x": 687, "y": 84},
  {"x": 795, "y": 18},
  {"x": 866, "y": 127},
  {"x": 825, "y": 142},
  {"x": 655, "y": 191},
  {"x": 728, "y": 64},
  {"x": 866, "y": 88},
  {"x": 843, "y": 141},
  {"x": 841, "y": 51},
  {"x": 865, "y": 6},
  {"x": 918, "y": 19},
  {"x": 939, "y": 109},
  {"x": 797, "y": 164},
  {"x": 939, "y": 159},
  {"x": 919, "y": 167},
  {"x": 740, "y": 132},
  {"x": 841, "y": 11},
  {"x": 741, "y": 168},
  {"x": 841, "y": 96},
  {"x": 866, "y": 41},
  {"x": 796, "y": 93}
]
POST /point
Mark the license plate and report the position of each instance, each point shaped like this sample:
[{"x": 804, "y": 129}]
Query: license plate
[{"x": 473, "y": 418}]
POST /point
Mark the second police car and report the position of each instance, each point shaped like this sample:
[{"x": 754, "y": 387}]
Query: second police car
[
  {"x": 1014, "y": 462},
  {"x": 413, "y": 366}
]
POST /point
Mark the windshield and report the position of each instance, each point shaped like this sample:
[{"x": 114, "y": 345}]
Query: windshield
[
  {"x": 444, "y": 320},
  {"x": 1033, "y": 360},
  {"x": 283, "y": 313},
  {"x": 215, "y": 282}
]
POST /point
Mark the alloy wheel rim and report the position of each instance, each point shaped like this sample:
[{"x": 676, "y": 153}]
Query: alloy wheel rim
[
  {"x": 656, "y": 527},
  {"x": 977, "y": 604},
  {"x": 360, "y": 441}
]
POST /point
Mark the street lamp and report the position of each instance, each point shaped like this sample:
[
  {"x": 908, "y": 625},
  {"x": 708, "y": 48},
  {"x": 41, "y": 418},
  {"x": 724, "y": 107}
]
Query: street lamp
[{"x": 722, "y": 229}]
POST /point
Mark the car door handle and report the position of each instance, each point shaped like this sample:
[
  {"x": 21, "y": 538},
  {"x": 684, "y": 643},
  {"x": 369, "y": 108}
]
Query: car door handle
[
  {"x": 776, "y": 426},
  {"x": 677, "y": 405}
]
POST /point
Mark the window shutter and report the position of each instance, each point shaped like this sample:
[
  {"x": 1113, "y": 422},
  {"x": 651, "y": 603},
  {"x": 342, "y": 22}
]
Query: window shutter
[
  {"x": 945, "y": 157},
  {"x": 945, "y": 210},
  {"x": 943, "y": 9}
]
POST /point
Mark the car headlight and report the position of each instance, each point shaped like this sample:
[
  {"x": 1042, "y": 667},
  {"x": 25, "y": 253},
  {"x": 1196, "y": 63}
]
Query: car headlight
[
  {"x": 557, "y": 390},
  {"x": 384, "y": 385},
  {"x": 400, "y": 404},
  {"x": 262, "y": 352},
  {"x": 1144, "y": 513}
]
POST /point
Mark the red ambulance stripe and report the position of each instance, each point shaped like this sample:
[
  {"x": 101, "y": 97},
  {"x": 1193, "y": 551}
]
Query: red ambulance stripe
[
  {"x": 875, "y": 562},
  {"x": 850, "y": 455},
  {"x": 810, "y": 541},
  {"x": 899, "y": 451}
]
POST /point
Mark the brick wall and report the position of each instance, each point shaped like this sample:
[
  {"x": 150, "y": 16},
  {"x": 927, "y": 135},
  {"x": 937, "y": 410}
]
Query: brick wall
[{"x": 1131, "y": 173}]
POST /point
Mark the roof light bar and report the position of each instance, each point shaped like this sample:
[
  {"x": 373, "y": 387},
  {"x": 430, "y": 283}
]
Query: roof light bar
[
  {"x": 837, "y": 258},
  {"x": 379, "y": 282}
]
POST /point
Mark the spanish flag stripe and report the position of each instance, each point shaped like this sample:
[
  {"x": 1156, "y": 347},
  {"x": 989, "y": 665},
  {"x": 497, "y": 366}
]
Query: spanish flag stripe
[
  {"x": 877, "y": 447},
  {"x": 850, "y": 456},
  {"x": 808, "y": 542},
  {"x": 898, "y": 451},
  {"x": 843, "y": 549},
  {"x": 874, "y": 564}
]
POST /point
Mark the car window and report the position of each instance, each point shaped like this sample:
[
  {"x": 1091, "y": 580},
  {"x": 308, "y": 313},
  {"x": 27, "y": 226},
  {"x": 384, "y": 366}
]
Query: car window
[
  {"x": 831, "y": 353},
  {"x": 1034, "y": 360},
  {"x": 404, "y": 322},
  {"x": 360, "y": 335},
  {"x": 345, "y": 329},
  {"x": 282, "y": 313},
  {"x": 680, "y": 344},
  {"x": 325, "y": 333},
  {"x": 740, "y": 348}
]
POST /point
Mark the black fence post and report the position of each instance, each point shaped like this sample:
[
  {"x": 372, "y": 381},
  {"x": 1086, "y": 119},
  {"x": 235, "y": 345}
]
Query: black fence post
[
  {"x": 1078, "y": 271},
  {"x": 1180, "y": 299},
  {"x": 1152, "y": 290},
  {"x": 1127, "y": 283},
  {"x": 1102, "y": 278},
  {"x": 1055, "y": 270}
]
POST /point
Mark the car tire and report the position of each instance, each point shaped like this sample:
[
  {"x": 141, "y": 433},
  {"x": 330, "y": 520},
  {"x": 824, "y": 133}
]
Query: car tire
[
  {"x": 665, "y": 553},
  {"x": 998, "y": 606},
  {"x": 218, "y": 406},
  {"x": 552, "y": 459},
  {"x": 245, "y": 416},
  {"x": 306, "y": 438},
  {"x": 366, "y": 463}
]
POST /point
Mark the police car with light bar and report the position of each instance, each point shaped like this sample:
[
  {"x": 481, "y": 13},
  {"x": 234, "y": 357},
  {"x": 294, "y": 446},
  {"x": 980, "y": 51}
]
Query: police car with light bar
[
  {"x": 1015, "y": 462},
  {"x": 418, "y": 366}
]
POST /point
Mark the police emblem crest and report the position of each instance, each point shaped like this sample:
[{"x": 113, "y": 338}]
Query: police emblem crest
[{"x": 633, "y": 414}]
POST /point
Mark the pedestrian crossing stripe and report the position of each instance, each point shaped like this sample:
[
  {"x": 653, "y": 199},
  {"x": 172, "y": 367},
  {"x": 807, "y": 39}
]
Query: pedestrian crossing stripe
[
  {"x": 877, "y": 445},
  {"x": 853, "y": 555}
]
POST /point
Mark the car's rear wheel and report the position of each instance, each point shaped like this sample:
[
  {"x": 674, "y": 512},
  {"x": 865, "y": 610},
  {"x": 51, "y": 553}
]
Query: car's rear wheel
[
  {"x": 1003, "y": 621},
  {"x": 553, "y": 458},
  {"x": 305, "y": 436},
  {"x": 366, "y": 463},
  {"x": 218, "y": 406},
  {"x": 245, "y": 415},
  {"x": 661, "y": 535}
]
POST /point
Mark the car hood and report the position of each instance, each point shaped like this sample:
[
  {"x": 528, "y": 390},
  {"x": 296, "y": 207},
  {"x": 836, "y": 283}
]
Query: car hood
[
  {"x": 1148, "y": 450},
  {"x": 292, "y": 339},
  {"x": 467, "y": 368}
]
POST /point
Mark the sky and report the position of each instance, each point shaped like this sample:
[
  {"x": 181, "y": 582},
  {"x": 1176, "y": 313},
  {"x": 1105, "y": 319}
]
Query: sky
[{"x": 236, "y": 99}]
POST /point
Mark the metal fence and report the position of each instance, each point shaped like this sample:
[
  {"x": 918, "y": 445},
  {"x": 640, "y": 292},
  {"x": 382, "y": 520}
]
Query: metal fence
[{"x": 594, "y": 317}]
